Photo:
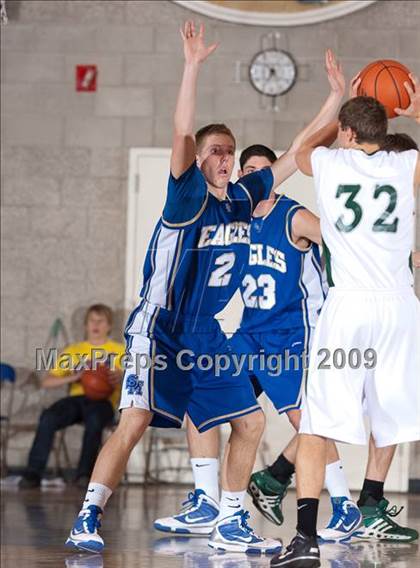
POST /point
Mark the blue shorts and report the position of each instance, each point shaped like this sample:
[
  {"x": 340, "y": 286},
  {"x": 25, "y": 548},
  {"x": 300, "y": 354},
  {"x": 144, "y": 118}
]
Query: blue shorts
[
  {"x": 278, "y": 364},
  {"x": 172, "y": 371}
]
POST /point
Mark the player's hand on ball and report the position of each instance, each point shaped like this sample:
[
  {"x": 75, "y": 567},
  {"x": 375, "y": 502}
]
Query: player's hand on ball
[
  {"x": 335, "y": 73},
  {"x": 413, "y": 110},
  {"x": 114, "y": 377},
  {"x": 354, "y": 86},
  {"x": 195, "y": 51}
]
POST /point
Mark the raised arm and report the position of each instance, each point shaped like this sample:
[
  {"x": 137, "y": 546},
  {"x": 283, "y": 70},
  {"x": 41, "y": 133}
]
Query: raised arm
[
  {"x": 285, "y": 166},
  {"x": 183, "y": 145},
  {"x": 323, "y": 137}
]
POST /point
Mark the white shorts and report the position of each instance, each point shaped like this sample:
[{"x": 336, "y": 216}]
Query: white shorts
[{"x": 355, "y": 327}]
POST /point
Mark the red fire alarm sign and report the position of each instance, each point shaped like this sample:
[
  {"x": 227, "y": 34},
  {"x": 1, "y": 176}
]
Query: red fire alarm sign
[{"x": 86, "y": 77}]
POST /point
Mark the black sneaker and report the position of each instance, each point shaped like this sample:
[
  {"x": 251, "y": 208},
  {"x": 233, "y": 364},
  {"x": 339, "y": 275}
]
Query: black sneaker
[
  {"x": 302, "y": 552},
  {"x": 30, "y": 481}
]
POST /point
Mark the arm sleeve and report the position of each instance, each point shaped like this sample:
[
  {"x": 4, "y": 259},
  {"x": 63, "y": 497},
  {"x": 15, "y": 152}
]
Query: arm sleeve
[
  {"x": 185, "y": 197},
  {"x": 257, "y": 185}
]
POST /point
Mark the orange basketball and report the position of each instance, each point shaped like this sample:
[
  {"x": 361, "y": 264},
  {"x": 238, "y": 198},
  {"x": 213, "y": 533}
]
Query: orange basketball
[
  {"x": 95, "y": 383},
  {"x": 384, "y": 80}
]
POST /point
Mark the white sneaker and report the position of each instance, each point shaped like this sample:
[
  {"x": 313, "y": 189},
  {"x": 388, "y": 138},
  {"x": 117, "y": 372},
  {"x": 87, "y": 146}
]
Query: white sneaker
[
  {"x": 233, "y": 534},
  {"x": 198, "y": 516},
  {"x": 84, "y": 534},
  {"x": 345, "y": 520}
]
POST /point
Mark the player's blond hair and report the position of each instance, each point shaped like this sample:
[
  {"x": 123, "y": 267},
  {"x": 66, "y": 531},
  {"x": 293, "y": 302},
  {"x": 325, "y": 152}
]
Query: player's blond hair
[{"x": 217, "y": 128}]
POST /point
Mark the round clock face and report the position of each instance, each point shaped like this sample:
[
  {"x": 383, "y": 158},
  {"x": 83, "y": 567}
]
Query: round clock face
[{"x": 272, "y": 72}]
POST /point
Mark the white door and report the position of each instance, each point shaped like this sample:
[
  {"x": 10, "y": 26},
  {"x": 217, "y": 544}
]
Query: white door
[{"x": 148, "y": 176}]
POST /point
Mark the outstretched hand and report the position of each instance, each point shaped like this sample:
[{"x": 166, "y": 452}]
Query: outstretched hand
[
  {"x": 413, "y": 110},
  {"x": 335, "y": 73},
  {"x": 195, "y": 50}
]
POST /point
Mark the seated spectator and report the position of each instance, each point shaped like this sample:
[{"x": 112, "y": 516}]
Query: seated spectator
[{"x": 76, "y": 408}]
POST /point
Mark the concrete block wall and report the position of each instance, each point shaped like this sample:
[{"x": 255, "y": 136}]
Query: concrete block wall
[{"x": 64, "y": 154}]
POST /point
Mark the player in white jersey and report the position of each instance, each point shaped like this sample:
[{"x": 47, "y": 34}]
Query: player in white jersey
[
  {"x": 378, "y": 517},
  {"x": 366, "y": 348}
]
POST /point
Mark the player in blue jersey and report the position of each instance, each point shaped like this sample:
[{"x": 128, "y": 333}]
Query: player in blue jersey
[
  {"x": 282, "y": 291},
  {"x": 191, "y": 271}
]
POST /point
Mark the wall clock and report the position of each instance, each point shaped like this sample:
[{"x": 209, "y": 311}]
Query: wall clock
[{"x": 272, "y": 72}]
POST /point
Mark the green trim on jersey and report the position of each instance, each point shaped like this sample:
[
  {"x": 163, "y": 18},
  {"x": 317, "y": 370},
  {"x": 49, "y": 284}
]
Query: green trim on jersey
[{"x": 327, "y": 256}]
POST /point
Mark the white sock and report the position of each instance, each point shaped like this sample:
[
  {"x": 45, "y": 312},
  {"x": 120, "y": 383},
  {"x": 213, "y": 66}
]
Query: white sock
[
  {"x": 335, "y": 480},
  {"x": 231, "y": 502},
  {"x": 97, "y": 494},
  {"x": 206, "y": 476}
]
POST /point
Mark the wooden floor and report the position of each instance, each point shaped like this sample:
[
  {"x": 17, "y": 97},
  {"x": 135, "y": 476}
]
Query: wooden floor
[{"x": 35, "y": 524}]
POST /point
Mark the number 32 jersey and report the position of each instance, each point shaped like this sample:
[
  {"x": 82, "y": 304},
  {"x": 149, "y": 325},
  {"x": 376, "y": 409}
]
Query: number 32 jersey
[
  {"x": 201, "y": 244},
  {"x": 366, "y": 205}
]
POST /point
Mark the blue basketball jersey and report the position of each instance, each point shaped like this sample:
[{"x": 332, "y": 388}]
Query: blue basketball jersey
[
  {"x": 201, "y": 244},
  {"x": 282, "y": 287}
]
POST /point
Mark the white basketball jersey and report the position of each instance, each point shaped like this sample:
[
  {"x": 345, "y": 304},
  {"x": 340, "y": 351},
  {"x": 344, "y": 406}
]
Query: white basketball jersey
[{"x": 366, "y": 205}]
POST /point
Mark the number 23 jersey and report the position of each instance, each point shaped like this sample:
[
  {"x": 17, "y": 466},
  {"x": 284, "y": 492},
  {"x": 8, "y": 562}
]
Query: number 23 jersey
[
  {"x": 282, "y": 287},
  {"x": 366, "y": 205},
  {"x": 201, "y": 244}
]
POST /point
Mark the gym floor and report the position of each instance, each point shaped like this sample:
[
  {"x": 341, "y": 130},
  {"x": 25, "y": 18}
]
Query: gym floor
[{"x": 34, "y": 526}]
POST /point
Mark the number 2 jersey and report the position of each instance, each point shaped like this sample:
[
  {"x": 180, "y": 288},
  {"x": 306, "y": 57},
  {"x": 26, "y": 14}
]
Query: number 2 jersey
[
  {"x": 366, "y": 205},
  {"x": 282, "y": 287},
  {"x": 201, "y": 244}
]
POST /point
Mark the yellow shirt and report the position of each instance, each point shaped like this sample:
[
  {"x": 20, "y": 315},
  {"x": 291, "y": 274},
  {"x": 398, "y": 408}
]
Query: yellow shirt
[{"x": 80, "y": 353}]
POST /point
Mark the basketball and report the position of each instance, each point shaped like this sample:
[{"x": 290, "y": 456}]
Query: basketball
[
  {"x": 95, "y": 383},
  {"x": 384, "y": 80}
]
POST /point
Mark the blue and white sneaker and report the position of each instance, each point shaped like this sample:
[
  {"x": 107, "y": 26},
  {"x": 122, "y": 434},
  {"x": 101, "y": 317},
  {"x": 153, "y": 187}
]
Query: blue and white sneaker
[
  {"x": 198, "y": 516},
  {"x": 233, "y": 534},
  {"x": 346, "y": 519},
  {"x": 84, "y": 534}
]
